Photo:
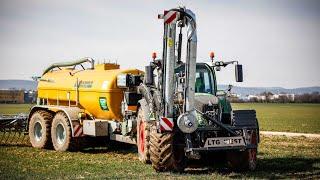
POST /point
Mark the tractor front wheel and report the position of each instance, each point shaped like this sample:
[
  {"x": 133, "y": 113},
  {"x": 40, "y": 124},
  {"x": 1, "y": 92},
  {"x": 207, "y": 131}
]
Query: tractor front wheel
[
  {"x": 143, "y": 137},
  {"x": 244, "y": 160},
  {"x": 164, "y": 155}
]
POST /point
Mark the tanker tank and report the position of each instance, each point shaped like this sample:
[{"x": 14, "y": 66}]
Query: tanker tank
[{"x": 94, "y": 90}]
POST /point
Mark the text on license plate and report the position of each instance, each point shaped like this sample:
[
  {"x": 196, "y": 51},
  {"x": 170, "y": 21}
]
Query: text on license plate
[{"x": 224, "y": 141}]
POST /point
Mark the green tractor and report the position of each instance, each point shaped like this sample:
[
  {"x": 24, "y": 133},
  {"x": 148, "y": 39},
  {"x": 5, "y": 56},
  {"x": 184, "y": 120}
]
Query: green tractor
[{"x": 183, "y": 116}]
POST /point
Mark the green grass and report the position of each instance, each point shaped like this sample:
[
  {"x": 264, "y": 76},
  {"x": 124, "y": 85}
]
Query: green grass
[
  {"x": 285, "y": 117},
  {"x": 14, "y": 108},
  {"x": 272, "y": 117},
  {"x": 278, "y": 157}
]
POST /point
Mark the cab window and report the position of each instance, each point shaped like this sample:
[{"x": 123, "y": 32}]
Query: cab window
[{"x": 204, "y": 79}]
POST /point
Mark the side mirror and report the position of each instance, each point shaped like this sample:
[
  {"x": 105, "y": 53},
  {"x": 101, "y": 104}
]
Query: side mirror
[{"x": 239, "y": 73}]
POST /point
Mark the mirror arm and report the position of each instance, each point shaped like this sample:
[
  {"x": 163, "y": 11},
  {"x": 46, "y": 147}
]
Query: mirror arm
[
  {"x": 225, "y": 63},
  {"x": 229, "y": 62}
]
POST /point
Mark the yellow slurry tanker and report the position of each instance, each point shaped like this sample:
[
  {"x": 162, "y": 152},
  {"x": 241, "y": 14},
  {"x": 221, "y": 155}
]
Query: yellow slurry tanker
[
  {"x": 97, "y": 87},
  {"x": 171, "y": 111}
]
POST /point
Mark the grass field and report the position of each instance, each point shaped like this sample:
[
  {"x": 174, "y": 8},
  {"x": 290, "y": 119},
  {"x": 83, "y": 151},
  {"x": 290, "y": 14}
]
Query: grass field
[
  {"x": 272, "y": 117},
  {"x": 278, "y": 157},
  {"x": 14, "y": 108},
  {"x": 286, "y": 117}
]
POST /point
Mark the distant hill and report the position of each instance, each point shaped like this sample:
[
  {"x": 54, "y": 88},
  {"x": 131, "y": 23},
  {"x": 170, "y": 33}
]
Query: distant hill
[
  {"x": 243, "y": 91},
  {"x": 18, "y": 84}
]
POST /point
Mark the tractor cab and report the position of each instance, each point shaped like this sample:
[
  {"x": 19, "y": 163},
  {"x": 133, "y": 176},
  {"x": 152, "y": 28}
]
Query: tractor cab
[{"x": 205, "y": 80}]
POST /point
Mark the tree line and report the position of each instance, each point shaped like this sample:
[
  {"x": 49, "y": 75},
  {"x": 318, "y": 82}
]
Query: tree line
[{"x": 282, "y": 98}]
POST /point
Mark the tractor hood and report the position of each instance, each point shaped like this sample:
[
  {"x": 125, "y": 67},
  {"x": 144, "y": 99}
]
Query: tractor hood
[{"x": 204, "y": 99}]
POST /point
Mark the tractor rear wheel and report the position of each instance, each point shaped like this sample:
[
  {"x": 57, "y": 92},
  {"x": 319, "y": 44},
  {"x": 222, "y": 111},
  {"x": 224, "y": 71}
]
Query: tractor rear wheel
[
  {"x": 164, "y": 155},
  {"x": 61, "y": 133},
  {"x": 143, "y": 137},
  {"x": 39, "y": 129}
]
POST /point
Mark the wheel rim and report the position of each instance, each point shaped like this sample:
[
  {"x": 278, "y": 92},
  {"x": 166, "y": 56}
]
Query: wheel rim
[
  {"x": 60, "y": 134},
  {"x": 141, "y": 137},
  {"x": 37, "y": 131}
]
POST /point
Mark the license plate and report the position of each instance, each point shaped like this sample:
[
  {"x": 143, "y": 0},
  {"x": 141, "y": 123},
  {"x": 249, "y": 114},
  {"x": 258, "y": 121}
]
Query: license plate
[{"x": 224, "y": 142}]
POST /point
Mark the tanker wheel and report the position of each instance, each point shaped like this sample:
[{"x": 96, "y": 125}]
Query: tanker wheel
[
  {"x": 244, "y": 160},
  {"x": 164, "y": 155},
  {"x": 61, "y": 133},
  {"x": 39, "y": 129},
  {"x": 143, "y": 138}
]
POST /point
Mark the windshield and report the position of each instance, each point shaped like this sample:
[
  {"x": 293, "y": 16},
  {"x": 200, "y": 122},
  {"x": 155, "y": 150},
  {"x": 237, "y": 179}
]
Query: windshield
[{"x": 204, "y": 79}]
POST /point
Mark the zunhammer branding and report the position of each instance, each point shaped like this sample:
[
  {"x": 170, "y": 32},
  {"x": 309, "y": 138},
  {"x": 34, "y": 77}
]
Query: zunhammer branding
[
  {"x": 84, "y": 84},
  {"x": 224, "y": 141}
]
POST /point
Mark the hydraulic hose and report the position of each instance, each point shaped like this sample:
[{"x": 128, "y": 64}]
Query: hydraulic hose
[
  {"x": 71, "y": 63},
  {"x": 192, "y": 20},
  {"x": 144, "y": 90}
]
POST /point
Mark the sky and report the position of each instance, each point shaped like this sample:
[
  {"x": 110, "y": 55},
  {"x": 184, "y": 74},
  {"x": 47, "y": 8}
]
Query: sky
[{"x": 276, "y": 41}]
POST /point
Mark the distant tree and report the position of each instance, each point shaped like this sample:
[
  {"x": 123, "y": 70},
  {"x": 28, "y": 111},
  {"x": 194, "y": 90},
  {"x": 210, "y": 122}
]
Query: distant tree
[
  {"x": 283, "y": 99},
  {"x": 308, "y": 98},
  {"x": 254, "y": 99},
  {"x": 315, "y": 97},
  {"x": 268, "y": 96},
  {"x": 235, "y": 99}
]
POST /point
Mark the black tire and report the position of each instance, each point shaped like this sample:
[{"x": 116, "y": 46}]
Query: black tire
[
  {"x": 39, "y": 129},
  {"x": 61, "y": 133},
  {"x": 143, "y": 138},
  {"x": 164, "y": 155},
  {"x": 244, "y": 160}
]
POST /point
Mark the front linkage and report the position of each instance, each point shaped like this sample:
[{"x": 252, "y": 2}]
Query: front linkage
[{"x": 240, "y": 140}]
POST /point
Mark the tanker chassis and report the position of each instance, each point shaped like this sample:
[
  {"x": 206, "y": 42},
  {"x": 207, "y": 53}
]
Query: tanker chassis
[{"x": 173, "y": 111}]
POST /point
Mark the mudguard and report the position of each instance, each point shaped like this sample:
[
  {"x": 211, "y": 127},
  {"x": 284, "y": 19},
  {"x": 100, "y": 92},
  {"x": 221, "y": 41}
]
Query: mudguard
[{"x": 71, "y": 112}]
